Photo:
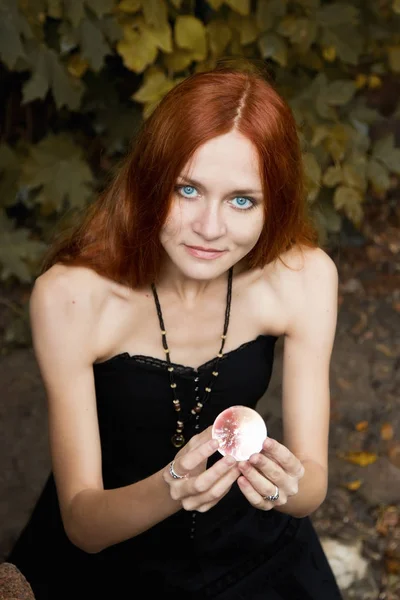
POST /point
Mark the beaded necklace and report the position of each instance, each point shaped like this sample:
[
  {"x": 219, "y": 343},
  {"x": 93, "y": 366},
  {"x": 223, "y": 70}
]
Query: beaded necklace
[{"x": 178, "y": 438}]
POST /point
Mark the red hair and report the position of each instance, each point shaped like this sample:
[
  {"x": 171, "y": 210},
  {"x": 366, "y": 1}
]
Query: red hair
[{"x": 119, "y": 234}]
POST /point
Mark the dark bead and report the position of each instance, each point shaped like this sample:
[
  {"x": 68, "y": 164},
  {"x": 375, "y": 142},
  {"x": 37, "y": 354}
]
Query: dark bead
[{"x": 178, "y": 440}]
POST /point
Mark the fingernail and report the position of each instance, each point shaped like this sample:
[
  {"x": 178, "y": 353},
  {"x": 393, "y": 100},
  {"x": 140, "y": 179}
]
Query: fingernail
[
  {"x": 214, "y": 444},
  {"x": 267, "y": 443},
  {"x": 230, "y": 461}
]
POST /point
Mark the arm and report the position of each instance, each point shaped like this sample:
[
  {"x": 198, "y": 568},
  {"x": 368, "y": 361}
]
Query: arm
[
  {"x": 311, "y": 296},
  {"x": 305, "y": 386},
  {"x": 63, "y": 314}
]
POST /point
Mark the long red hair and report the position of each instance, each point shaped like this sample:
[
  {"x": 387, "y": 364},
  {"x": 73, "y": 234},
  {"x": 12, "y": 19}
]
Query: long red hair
[{"x": 118, "y": 236}]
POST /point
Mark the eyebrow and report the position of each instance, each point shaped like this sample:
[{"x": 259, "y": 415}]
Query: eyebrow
[{"x": 202, "y": 187}]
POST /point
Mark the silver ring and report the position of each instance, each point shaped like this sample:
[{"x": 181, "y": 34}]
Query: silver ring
[
  {"x": 274, "y": 497},
  {"x": 175, "y": 475}
]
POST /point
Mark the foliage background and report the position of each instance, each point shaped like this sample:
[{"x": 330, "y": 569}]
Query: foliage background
[{"x": 78, "y": 76}]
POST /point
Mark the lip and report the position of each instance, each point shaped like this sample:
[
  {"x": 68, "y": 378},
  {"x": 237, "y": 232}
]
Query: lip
[{"x": 205, "y": 253}]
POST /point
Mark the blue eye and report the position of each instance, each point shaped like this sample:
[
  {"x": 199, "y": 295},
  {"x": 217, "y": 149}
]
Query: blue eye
[
  {"x": 242, "y": 203},
  {"x": 186, "y": 190}
]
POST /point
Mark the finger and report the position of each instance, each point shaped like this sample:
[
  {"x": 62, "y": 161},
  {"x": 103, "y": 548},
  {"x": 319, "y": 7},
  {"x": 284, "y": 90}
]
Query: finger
[
  {"x": 254, "y": 497},
  {"x": 264, "y": 482},
  {"x": 205, "y": 507},
  {"x": 195, "y": 456},
  {"x": 223, "y": 472},
  {"x": 211, "y": 496},
  {"x": 283, "y": 456},
  {"x": 265, "y": 467}
]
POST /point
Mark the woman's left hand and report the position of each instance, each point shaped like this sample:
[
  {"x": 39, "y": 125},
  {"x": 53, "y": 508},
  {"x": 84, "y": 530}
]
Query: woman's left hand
[{"x": 275, "y": 466}]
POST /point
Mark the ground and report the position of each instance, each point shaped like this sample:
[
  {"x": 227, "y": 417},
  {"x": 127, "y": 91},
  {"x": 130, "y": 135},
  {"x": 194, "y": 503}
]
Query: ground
[{"x": 362, "y": 507}]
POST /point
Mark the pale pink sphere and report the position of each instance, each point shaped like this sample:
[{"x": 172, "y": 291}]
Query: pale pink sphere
[{"x": 240, "y": 432}]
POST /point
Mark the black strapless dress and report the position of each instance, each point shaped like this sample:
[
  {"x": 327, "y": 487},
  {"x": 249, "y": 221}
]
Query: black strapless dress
[{"x": 231, "y": 552}]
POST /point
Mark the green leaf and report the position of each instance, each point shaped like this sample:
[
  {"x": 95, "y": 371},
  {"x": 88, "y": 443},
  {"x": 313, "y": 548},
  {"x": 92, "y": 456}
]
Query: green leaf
[
  {"x": 331, "y": 219},
  {"x": 340, "y": 92},
  {"x": 268, "y": 11},
  {"x": 56, "y": 166},
  {"x": 385, "y": 151},
  {"x": 346, "y": 40},
  {"x": 100, "y": 7},
  {"x": 39, "y": 83},
  {"x": 273, "y": 46},
  {"x": 378, "y": 175},
  {"x": 300, "y": 31},
  {"x": 349, "y": 200},
  {"x": 312, "y": 171},
  {"x": 337, "y": 13},
  {"x": 219, "y": 36},
  {"x": 155, "y": 12},
  {"x": 11, "y": 26},
  {"x": 92, "y": 43},
  {"x": 17, "y": 251},
  {"x": 75, "y": 11}
]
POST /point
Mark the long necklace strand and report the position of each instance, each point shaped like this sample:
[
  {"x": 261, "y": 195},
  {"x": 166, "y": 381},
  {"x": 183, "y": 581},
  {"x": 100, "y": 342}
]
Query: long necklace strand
[{"x": 178, "y": 438}]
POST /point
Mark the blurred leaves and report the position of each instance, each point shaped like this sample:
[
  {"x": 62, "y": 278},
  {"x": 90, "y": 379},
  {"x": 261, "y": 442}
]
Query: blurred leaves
[{"x": 110, "y": 62}]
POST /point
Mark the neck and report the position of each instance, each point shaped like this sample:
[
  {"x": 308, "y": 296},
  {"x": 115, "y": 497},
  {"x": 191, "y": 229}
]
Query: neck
[{"x": 189, "y": 291}]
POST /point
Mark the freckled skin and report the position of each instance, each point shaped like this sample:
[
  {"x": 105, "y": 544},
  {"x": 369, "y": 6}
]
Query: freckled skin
[{"x": 240, "y": 431}]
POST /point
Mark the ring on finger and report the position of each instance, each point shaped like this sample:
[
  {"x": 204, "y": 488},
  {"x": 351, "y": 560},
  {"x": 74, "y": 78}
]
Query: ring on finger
[
  {"x": 274, "y": 497},
  {"x": 173, "y": 472}
]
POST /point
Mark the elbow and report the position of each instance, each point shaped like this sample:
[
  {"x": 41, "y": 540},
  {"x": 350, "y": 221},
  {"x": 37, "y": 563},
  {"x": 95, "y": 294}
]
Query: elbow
[{"x": 83, "y": 541}]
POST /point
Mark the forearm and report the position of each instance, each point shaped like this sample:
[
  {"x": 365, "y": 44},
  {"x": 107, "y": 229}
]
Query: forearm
[
  {"x": 312, "y": 491},
  {"x": 101, "y": 518}
]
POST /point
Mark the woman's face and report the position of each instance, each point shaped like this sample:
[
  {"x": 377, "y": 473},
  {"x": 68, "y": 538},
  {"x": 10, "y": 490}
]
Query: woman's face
[{"x": 217, "y": 211}]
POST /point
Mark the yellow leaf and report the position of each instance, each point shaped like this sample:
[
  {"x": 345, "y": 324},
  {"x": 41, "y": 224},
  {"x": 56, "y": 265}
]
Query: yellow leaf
[
  {"x": 360, "y": 80},
  {"x": 178, "y": 60},
  {"x": 219, "y": 36},
  {"x": 332, "y": 176},
  {"x": 362, "y": 425},
  {"x": 387, "y": 431},
  {"x": 349, "y": 200},
  {"x": 77, "y": 66},
  {"x": 155, "y": 12},
  {"x": 215, "y": 4},
  {"x": 374, "y": 81},
  {"x": 155, "y": 85},
  {"x": 353, "y": 485},
  {"x": 190, "y": 34},
  {"x": 129, "y": 6},
  {"x": 396, "y": 6},
  {"x": 137, "y": 50},
  {"x": 240, "y": 6},
  {"x": 361, "y": 458},
  {"x": 161, "y": 36},
  {"x": 329, "y": 53}
]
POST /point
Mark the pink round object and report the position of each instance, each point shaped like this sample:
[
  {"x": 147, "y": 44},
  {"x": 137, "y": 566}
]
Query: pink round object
[{"x": 240, "y": 432}]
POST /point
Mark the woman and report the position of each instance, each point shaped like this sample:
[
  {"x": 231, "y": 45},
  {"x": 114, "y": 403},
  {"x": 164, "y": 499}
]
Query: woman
[{"x": 155, "y": 314}]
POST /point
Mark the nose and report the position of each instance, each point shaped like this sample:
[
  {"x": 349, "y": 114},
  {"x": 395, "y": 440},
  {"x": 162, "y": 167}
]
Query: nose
[{"x": 209, "y": 221}]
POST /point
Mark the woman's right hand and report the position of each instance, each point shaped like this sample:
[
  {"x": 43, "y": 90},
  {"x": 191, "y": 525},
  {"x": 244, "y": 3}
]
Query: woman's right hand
[{"x": 201, "y": 488}]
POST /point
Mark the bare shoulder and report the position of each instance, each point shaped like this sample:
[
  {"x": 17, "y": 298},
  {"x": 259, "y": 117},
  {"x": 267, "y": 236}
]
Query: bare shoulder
[
  {"x": 307, "y": 284},
  {"x": 306, "y": 267},
  {"x": 67, "y": 301}
]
